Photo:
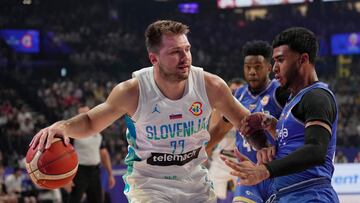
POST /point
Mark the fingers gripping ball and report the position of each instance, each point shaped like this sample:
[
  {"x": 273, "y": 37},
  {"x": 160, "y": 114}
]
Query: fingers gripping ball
[
  {"x": 256, "y": 135},
  {"x": 54, "y": 167}
]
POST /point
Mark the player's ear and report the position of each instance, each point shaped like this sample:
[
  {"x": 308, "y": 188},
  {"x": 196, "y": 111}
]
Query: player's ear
[
  {"x": 304, "y": 58},
  {"x": 153, "y": 58},
  {"x": 269, "y": 67}
]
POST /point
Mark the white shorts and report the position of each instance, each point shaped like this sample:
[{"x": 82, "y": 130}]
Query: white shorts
[
  {"x": 220, "y": 175},
  {"x": 195, "y": 188}
]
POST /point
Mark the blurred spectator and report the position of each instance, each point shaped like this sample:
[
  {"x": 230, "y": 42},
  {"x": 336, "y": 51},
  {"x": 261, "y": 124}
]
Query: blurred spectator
[
  {"x": 4, "y": 196},
  {"x": 27, "y": 126},
  {"x": 14, "y": 185},
  {"x": 50, "y": 196},
  {"x": 357, "y": 158},
  {"x": 2, "y": 160},
  {"x": 340, "y": 157},
  {"x": 23, "y": 114}
]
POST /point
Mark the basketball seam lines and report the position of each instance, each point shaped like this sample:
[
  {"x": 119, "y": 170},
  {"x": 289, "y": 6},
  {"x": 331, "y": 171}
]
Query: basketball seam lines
[{"x": 50, "y": 162}]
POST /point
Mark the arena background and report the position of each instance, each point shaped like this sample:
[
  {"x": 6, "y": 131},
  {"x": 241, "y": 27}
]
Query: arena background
[{"x": 54, "y": 54}]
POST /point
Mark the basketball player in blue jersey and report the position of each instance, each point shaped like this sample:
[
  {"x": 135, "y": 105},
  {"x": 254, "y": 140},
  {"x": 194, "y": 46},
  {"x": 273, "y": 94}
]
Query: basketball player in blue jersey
[
  {"x": 306, "y": 130},
  {"x": 167, "y": 108},
  {"x": 260, "y": 94}
]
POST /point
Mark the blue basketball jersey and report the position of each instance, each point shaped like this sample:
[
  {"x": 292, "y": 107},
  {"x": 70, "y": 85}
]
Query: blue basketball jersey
[
  {"x": 291, "y": 135},
  {"x": 263, "y": 102}
]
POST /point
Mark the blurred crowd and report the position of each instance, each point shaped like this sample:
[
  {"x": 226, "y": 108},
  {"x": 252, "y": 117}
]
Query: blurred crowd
[
  {"x": 19, "y": 122},
  {"x": 102, "y": 42}
]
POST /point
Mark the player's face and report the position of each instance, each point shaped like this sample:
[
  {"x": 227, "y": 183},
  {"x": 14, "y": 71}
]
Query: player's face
[
  {"x": 286, "y": 65},
  {"x": 173, "y": 58},
  {"x": 256, "y": 71}
]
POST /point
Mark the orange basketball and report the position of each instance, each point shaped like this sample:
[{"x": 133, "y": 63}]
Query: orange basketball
[{"x": 54, "y": 167}]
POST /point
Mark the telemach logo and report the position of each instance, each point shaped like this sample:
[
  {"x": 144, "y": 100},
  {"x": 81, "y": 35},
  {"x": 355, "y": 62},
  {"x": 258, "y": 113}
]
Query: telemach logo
[{"x": 163, "y": 159}]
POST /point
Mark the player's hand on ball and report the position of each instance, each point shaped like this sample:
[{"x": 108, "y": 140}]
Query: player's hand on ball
[
  {"x": 251, "y": 123},
  {"x": 265, "y": 155},
  {"x": 253, "y": 129},
  {"x": 54, "y": 167},
  {"x": 256, "y": 121},
  {"x": 43, "y": 139}
]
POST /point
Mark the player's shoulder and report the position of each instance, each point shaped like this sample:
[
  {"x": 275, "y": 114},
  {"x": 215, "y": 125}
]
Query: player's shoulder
[
  {"x": 317, "y": 93},
  {"x": 197, "y": 68},
  {"x": 125, "y": 92},
  {"x": 318, "y": 98},
  {"x": 213, "y": 81},
  {"x": 130, "y": 85},
  {"x": 124, "y": 97},
  {"x": 142, "y": 71},
  {"x": 216, "y": 88}
]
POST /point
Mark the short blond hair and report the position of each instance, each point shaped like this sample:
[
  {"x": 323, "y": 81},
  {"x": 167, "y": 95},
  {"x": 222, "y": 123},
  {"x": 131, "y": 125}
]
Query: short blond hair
[{"x": 157, "y": 29}]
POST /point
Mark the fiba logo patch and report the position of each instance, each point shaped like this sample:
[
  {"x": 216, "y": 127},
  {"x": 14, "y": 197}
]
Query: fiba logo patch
[
  {"x": 265, "y": 100},
  {"x": 252, "y": 107},
  {"x": 249, "y": 192},
  {"x": 196, "y": 108}
]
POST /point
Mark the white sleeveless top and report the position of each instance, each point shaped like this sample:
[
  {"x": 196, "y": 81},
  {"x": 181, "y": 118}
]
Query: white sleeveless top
[
  {"x": 167, "y": 137},
  {"x": 87, "y": 150}
]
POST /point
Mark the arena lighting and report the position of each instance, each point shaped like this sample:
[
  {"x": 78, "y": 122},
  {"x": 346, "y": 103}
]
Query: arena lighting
[
  {"x": 224, "y": 4},
  {"x": 345, "y": 43},
  {"x": 63, "y": 72},
  {"x": 26, "y": 2},
  {"x": 188, "y": 7},
  {"x": 22, "y": 41}
]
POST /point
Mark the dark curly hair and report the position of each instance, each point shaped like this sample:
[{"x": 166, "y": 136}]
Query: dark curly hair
[
  {"x": 257, "y": 47},
  {"x": 300, "y": 40}
]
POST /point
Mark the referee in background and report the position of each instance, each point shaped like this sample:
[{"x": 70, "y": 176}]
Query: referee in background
[{"x": 91, "y": 151}]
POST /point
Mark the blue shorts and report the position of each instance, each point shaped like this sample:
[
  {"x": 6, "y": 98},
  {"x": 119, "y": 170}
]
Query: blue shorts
[
  {"x": 314, "y": 190},
  {"x": 256, "y": 193}
]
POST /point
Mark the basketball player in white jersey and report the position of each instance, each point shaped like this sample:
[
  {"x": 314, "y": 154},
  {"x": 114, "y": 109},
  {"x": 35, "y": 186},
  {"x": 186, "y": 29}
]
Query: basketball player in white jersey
[
  {"x": 168, "y": 106},
  {"x": 219, "y": 173}
]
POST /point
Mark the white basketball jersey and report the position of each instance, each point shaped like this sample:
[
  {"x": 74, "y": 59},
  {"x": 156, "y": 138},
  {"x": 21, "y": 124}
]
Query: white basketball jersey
[{"x": 167, "y": 137}]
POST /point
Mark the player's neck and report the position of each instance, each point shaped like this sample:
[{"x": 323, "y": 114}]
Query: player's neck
[
  {"x": 170, "y": 89},
  {"x": 304, "y": 80},
  {"x": 260, "y": 89}
]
